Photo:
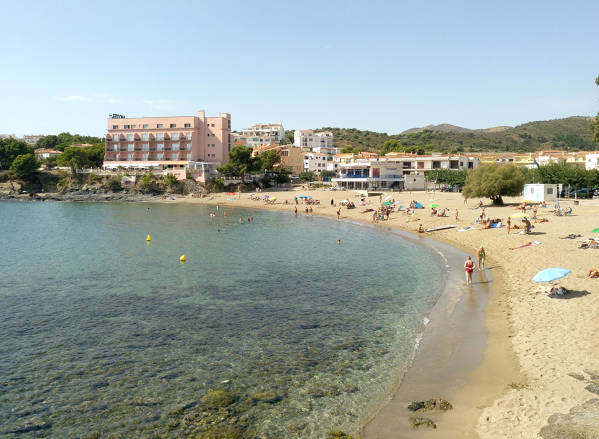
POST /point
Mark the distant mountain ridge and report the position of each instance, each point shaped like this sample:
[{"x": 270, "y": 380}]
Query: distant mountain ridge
[{"x": 570, "y": 133}]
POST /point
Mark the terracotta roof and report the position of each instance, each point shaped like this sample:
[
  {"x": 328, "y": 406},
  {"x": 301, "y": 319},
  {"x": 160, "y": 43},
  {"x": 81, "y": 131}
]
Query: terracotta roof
[{"x": 46, "y": 151}]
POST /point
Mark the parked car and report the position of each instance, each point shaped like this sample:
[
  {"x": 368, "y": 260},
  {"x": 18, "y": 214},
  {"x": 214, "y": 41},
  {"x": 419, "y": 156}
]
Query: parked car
[{"x": 582, "y": 193}]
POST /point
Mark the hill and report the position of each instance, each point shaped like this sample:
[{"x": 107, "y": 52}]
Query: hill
[{"x": 571, "y": 133}]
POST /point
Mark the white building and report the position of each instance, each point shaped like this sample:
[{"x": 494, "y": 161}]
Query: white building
[
  {"x": 316, "y": 162},
  {"x": 540, "y": 192},
  {"x": 310, "y": 139},
  {"x": 391, "y": 171},
  {"x": 31, "y": 139},
  {"x": 591, "y": 161},
  {"x": 44, "y": 153},
  {"x": 261, "y": 134}
]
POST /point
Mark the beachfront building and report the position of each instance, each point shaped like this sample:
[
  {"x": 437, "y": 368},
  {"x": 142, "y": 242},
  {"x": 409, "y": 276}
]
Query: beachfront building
[
  {"x": 167, "y": 143},
  {"x": 391, "y": 171},
  {"x": 539, "y": 193},
  {"x": 44, "y": 153},
  {"x": 260, "y": 134},
  {"x": 310, "y": 139},
  {"x": 32, "y": 139}
]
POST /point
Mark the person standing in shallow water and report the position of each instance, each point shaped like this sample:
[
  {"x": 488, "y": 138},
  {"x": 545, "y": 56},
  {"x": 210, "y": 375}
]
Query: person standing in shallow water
[
  {"x": 469, "y": 268},
  {"x": 481, "y": 258}
]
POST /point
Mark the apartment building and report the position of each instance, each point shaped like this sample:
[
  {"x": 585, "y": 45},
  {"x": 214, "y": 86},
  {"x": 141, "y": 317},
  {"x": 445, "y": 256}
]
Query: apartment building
[
  {"x": 392, "y": 171},
  {"x": 167, "y": 142},
  {"x": 260, "y": 134},
  {"x": 316, "y": 162},
  {"x": 310, "y": 139},
  {"x": 31, "y": 139}
]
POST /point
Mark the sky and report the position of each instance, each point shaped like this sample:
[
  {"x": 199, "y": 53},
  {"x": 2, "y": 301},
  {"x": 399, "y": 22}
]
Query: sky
[{"x": 378, "y": 65}]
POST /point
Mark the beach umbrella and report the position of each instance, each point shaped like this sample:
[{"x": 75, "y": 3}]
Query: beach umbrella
[
  {"x": 388, "y": 197},
  {"x": 387, "y": 203},
  {"x": 433, "y": 205},
  {"x": 551, "y": 274},
  {"x": 595, "y": 230},
  {"x": 520, "y": 215}
]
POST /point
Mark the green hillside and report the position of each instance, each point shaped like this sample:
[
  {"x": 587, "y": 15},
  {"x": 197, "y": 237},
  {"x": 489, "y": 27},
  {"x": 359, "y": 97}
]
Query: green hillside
[{"x": 572, "y": 133}]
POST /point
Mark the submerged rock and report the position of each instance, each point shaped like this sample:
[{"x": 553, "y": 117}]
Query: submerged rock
[
  {"x": 215, "y": 399},
  {"x": 580, "y": 423},
  {"x": 429, "y": 405},
  {"x": 338, "y": 434},
  {"x": 422, "y": 422},
  {"x": 269, "y": 397},
  {"x": 593, "y": 388}
]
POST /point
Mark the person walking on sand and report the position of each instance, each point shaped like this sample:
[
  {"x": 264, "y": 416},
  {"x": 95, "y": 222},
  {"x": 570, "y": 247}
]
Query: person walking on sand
[
  {"x": 509, "y": 224},
  {"x": 332, "y": 202},
  {"x": 456, "y": 214},
  {"x": 481, "y": 258},
  {"x": 338, "y": 214},
  {"x": 295, "y": 210},
  {"x": 469, "y": 267}
]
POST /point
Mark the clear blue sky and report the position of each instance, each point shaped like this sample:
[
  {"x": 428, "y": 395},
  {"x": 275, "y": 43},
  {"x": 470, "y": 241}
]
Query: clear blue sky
[{"x": 377, "y": 65}]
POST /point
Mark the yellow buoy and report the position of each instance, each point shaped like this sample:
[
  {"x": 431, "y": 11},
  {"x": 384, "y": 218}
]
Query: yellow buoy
[
  {"x": 182, "y": 258},
  {"x": 149, "y": 238}
]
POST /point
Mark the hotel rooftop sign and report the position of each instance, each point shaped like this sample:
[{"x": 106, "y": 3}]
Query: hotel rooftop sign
[{"x": 115, "y": 116}]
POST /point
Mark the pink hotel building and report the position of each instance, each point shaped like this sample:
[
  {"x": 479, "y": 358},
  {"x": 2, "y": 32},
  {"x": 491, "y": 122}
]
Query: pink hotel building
[{"x": 167, "y": 143}]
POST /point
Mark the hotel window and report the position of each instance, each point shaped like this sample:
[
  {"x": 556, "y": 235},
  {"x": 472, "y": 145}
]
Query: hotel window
[
  {"x": 188, "y": 136},
  {"x": 173, "y": 125},
  {"x": 130, "y": 156},
  {"x": 146, "y": 126},
  {"x": 188, "y": 156},
  {"x": 175, "y": 155},
  {"x": 175, "y": 136},
  {"x": 145, "y": 156},
  {"x": 115, "y": 147},
  {"x": 212, "y": 124},
  {"x": 145, "y": 136},
  {"x": 187, "y": 125},
  {"x": 133, "y": 127},
  {"x": 130, "y": 147},
  {"x": 159, "y": 146},
  {"x": 159, "y": 125},
  {"x": 175, "y": 147},
  {"x": 127, "y": 127},
  {"x": 145, "y": 146},
  {"x": 159, "y": 156},
  {"x": 130, "y": 137},
  {"x": 115, "y": 127},
  {"x": 160, "y": 136}
]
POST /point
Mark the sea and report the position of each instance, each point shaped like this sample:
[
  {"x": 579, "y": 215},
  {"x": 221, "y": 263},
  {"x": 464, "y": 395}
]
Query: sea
[{"x": 269, "y": 329}]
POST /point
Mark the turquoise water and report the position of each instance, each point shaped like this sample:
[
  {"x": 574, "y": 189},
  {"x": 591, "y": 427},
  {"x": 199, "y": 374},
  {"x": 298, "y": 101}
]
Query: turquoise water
[{"x": 105, "y": 335}]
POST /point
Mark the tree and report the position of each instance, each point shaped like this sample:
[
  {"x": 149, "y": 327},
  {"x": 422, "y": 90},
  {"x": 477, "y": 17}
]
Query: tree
[
  {"x": 10, "y": 149},
  {"x": 269, "y": 159},
  {"x": 350, "y": 150},
  {"x": 392, "y": 145},
  {"x": 494, "y": 181},
  {"x": 240, "y": 162},
  {"x": 330, "y": 174},
  {"x": 47, "y": 142},
  {"x": 74, "y": 158},
  {"x": 171, "y": 180},
  {"x": 307, "y": 176},
  {"x": 24, "y": 166},
  {"x": 595, "y": 123}
]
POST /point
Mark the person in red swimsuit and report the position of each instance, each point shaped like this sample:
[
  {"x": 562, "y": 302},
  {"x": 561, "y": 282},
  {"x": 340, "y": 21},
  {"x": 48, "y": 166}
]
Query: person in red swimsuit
[{"x": 469, "y": 267}]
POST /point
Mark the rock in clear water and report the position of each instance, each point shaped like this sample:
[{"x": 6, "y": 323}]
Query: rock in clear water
[
  {"x": 582, "y": 422},
  {"x": 215, "y": 399},
  {"x": 429, "y": 405},
  {"x": 422, "y": 422}
]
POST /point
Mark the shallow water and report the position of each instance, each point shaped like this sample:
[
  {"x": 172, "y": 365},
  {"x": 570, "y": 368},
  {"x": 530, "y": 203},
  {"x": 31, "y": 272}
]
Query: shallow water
[{"x": 105, "y": 335}]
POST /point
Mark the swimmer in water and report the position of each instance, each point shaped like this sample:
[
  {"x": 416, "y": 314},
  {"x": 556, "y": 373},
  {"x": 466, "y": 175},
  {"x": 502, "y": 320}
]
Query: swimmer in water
[{"x": 338, "y": 242}]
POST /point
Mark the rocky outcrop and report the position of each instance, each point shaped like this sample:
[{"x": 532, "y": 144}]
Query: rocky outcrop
[{"x": 429, "y": 405}]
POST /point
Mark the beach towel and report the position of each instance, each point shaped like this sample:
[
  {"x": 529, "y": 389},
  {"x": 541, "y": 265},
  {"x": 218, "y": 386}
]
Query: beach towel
[{"x": 466, "y": 229}]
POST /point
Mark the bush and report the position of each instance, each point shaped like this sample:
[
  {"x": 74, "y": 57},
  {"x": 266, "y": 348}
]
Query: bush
[
  {"x": 307, "y": 176},
  {"x": 494, "y": 181},
  {"x": 114, "y": 185}
]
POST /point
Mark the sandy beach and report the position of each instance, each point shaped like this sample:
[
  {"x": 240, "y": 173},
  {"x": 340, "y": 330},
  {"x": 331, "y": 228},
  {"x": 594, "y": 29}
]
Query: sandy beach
[{"x": 535, "y": 343}]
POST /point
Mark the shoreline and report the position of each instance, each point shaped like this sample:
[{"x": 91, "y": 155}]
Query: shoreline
[
  {"x": 540, "y": 358},
  {"x": 468, "y": 392}
]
